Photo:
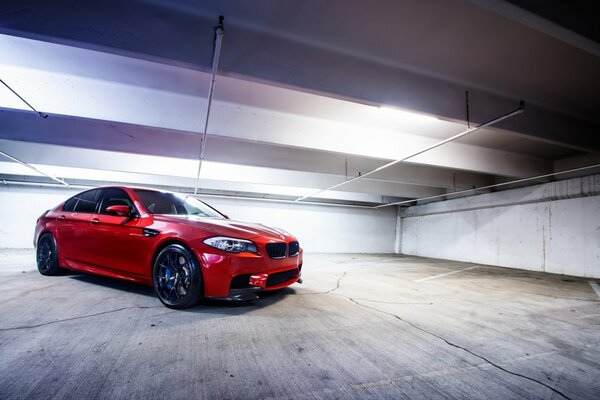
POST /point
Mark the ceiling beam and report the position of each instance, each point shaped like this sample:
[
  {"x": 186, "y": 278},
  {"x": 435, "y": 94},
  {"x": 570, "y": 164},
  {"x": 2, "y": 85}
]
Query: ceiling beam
[
  {"x": 131, "y": 97},
  {"x": 68, "y": 162},
  {"x": 263, "y": 47},
  {"x": 283, "y": 152},
  {"x": 135, "y": 139}
]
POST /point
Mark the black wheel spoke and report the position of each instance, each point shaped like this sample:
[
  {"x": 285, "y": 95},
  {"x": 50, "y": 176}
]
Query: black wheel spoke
[
  {"x": 174, "y": 269},
  {"x": 173, "y": 260},
  {"x": 173, "y": 293},
  {"x": 43, "y": 253},
  {"x": 46, "y": 256},
  {"x": 173, "y": 276}
]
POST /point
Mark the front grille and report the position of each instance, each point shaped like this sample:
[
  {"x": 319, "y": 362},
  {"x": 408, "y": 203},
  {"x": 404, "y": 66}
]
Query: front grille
[
  {"x": 276, "y": 250},
  {"x": 280, "y": 277},
  {"x": 293, "y": 249}
]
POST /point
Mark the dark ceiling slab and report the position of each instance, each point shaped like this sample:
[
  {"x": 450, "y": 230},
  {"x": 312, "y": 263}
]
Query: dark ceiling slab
[
  {"x": 579, "y": 16},
  {"x": 412, "y": 54}
]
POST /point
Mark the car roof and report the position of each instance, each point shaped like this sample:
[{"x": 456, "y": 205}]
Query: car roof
[
  {"x": 132, "y": 188},
  {"x": 141, "y": 188}
]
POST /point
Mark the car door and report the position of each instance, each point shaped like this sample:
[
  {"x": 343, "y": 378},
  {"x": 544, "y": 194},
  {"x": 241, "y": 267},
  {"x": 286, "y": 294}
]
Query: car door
[
  {"x": 117, "y": 242},
  {"x": 73, "y": 225}
]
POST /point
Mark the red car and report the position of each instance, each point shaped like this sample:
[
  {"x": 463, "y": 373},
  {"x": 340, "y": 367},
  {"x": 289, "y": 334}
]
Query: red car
[{"x": 183, "y": 247}]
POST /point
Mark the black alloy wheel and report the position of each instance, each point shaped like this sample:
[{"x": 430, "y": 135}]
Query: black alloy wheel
[
  {"x": 47, "y": 255},
  {"x": 177, "y": 277}
]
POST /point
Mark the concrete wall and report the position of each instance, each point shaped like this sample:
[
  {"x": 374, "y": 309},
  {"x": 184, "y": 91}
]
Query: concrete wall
[
  {"x": 552, "y": 227},
  {"x": 319, "y": 228},
  {"x": 20, "y": 207}
]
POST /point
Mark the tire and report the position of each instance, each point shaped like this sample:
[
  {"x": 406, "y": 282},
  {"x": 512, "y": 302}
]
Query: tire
[
  {"x": 47, "y": 255},
  {"x": 177, "y": 277}
]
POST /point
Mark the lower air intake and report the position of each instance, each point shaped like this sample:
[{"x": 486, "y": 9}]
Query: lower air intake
[{"x": 280, "y": 277}]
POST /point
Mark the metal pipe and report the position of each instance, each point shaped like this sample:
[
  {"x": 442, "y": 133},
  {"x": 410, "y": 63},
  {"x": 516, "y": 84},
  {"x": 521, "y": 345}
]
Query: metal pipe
[
  {"x": 467, "y": 104},
  {"x": 23, "y": 100},
  {"x": 438, "y": 144},
  {"x": 223, "y": 196},
  {"x": 489, "y": 186},
  {"x": 44, "y": 184},
  {"x": 219, "y": 32},
  {"x": 33, "y": 168}
]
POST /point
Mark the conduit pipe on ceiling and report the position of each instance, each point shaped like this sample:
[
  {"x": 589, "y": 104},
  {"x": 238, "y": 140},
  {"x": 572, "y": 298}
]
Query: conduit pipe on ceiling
[
  {"x": 44, "y": 184},
  {"x": 33, "y": 168},
  {"x": 41, "y": 114},
  {"x": 438, "y": 144},
  {"x": 222, "y": 196},
  {"x": 219, "y": 32},
  {"x": 7, "y": 182},
  {"x": 398, "y": 203}
]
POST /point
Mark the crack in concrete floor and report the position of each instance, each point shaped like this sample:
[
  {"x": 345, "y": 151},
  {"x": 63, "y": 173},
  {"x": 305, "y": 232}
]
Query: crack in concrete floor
[
  {"x": 460, "y": 347},
  {"x": 76, "y": 318},
  {"x": 355, "y": 301},
  {"x": 448, "y": 342}
]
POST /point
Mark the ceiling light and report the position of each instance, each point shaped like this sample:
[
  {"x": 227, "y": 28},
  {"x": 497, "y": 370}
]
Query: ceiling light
[{"x": 407, "y": 116}]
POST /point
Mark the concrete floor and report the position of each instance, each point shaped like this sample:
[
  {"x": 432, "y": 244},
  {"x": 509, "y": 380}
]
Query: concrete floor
[{"x": 361, "y": 326}]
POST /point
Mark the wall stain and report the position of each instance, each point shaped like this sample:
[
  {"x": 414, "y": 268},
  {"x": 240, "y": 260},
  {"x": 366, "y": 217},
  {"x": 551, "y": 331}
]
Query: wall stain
[{"x": 544, "y": 238}]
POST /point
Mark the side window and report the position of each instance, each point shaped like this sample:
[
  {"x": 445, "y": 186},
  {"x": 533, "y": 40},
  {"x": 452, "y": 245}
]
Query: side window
[
  {"x": 87, "y": 201},
  {"x": 70, "y": 204},
  {"x": 115, "y": 197}
]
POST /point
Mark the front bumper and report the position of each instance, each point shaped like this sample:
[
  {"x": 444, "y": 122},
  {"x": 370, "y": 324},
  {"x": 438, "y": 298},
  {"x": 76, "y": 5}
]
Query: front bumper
[
  {"x": 244, "y": 287},
  {"x": 239, "y": 276}
]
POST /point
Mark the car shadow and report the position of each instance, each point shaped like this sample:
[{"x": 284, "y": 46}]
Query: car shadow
[
  {"x": 208, "y": 305},
  {"x": 117, "y": 284},
  {"x": 232, "y": 308}
]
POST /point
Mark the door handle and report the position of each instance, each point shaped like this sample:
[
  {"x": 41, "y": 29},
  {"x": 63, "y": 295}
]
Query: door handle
[
  {"x": 94, "y": 221},
  {"x": 61, "y": 218}
]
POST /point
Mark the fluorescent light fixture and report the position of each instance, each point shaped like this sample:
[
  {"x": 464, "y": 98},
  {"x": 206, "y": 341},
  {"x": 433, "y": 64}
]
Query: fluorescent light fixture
[{"x": 407, "y": 116}]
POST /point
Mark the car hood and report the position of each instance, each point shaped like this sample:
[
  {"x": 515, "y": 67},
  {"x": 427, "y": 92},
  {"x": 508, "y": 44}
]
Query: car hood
[{"x": 227, "y": 227}]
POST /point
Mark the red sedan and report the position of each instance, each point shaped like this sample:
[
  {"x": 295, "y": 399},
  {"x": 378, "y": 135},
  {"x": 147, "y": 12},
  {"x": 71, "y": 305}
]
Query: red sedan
[{"x": 183, "y": 247}]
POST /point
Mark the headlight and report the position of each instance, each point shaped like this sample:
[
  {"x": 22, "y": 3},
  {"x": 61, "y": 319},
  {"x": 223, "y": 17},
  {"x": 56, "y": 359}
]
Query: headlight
[{"x": 231, "y": 245}]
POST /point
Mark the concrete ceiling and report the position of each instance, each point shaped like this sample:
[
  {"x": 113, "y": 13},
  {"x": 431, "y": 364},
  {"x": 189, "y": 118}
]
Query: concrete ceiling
[{"x": 311, "y": 93}]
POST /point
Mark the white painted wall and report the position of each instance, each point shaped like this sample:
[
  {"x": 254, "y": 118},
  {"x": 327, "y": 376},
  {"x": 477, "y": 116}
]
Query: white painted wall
[
  {"x": 552, "y": 227},
  {"x": 318, "y": 228},
  {"x": 20, "y": 207}
]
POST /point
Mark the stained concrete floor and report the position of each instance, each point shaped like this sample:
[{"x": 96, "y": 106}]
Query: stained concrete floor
[{"x": 360, "y": 327}]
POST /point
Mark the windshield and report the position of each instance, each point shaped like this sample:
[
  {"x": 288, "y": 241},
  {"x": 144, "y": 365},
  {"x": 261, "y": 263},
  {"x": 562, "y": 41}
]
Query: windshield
[{"x": 174, "y": 204}]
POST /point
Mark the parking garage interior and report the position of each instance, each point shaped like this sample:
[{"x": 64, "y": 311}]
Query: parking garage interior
[{"x": 438, "y": 162}]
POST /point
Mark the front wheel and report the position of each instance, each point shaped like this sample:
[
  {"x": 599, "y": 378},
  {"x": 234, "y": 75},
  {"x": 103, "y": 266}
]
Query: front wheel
[
  {"x": 47, "y": 255},
  {"x": 177, "y": 277}
]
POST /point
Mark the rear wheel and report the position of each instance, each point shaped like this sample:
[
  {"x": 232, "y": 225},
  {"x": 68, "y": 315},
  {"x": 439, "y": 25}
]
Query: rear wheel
[
  {"x": 177, "y": 277},
  {"x": 47, "y": 255}
]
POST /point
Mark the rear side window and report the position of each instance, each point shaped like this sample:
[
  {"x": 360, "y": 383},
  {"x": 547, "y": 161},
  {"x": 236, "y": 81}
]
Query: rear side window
[
  {"x": 87, "y": 201},
  {"x": 70, "y": 204},
  {"x": 115, "y": 197}
]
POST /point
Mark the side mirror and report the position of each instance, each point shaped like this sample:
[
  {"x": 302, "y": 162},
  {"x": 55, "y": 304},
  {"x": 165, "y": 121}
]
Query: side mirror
[{"x": 122, "y": 211}]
